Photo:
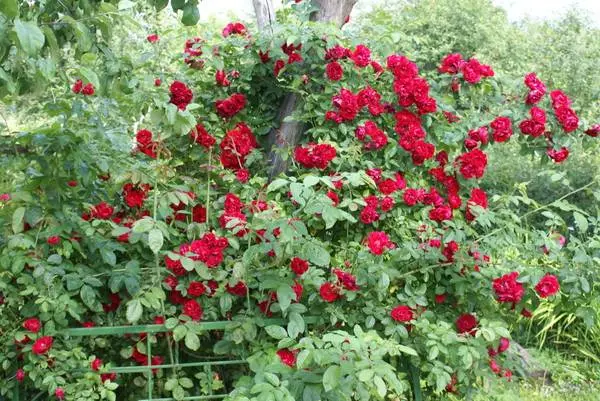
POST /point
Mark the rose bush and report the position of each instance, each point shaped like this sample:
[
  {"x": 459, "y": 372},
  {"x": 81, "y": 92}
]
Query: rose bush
[{"x": 377, "y": 249}]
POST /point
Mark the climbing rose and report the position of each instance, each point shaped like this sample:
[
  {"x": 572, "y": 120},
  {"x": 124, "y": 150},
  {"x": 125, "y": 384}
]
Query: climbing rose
[
  {"x": 196, "y": 289},
  {"x": 234, "y": 28},
  {"x": 221, "y": 78},
  {"x": 558, "y": 156},
  {"x": 501, "y": 129},
  {"x": 42, "y": 345},
  {"x": 152, "y": 38},
  {"x": 503, "y": 345},
  {"x": 135, "y": 195},
  {"x": 466, "y": 323},
  {"x": 192, "y": 309},
  {"x": 59, "y": 393},
  {"x": 20, "y": 375},
  {"x": 102, "y": 211},
  {"x": 33, "y": 325},
  {"x": 240, "y": 289},
  {"x": 209, "y": 249},
  {"x": 547, "y": 286},
  {"x": 299, "y": 266},
  {"x": 378, "y": 241},
  {"x": 402, "y": 313},
  {"x": 181, "y": 95},
  {"x": 479, "y": 198},
  {"x": 508, "y": 289},
  {"x": 278, "y": 66},
  {"x": 53, "y": 240},
  {"x": 347, "y": 280},
  {"x": 77, "y": 86},
  {"x": 199, "y": 135},
  {"x": 236, "y": 145},
  {"x": 230, "y": 106},
  {"x": 287, "y": 357},
  {"x": 329, "y": 292},
  {"x": 88, "y": 90},
  {"x": 372, "y": 137},
  {"x": 315, "y": 155},
  {"x": 96, "y": 364},
  {"x": 361, "y": 56},
  {"x": 472, "y": 164},
  {"x": 347, "y": 104},
  {"x": 334, "y": 71}
]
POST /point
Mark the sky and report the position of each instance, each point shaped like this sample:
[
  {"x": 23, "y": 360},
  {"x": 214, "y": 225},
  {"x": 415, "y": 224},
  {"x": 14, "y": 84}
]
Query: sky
[{"x": 516, "y": 9}]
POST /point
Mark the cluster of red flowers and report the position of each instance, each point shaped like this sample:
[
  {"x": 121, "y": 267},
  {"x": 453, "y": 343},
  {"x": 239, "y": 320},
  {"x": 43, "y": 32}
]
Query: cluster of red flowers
[
  {"x": 561, "y": 104},
  {"x": 372, "y": 137},
  {"x": 79, "y": 87},
  {"x": 378, "y": 242},
  {"x": 315, "y": 155},
  {"x": 102, "y": 211},
  {"x": 411, "y": 137},
  {"x": 181, "y": 95},
  {"x": 536, "y": 125},
  {"x": 234, "y": 28},
  {"x": 135, "y": 195},
  {"x": 402, "y": 313},
  {"x": 537, "y": 89},
  {"x": 472, "y": 163},
  {"x": 299, "y": 266},
  {"x": 501, "y": 129},
  {"x": 233, "y": 218},
  {"x": 330, "y": 292},
  {"x": 472, "y": 70},
  {"x": 145, "y": 144},
  {"x": 199, "y": 135},
  {"x": 409, "y": 86},
  {"x": 236, "y": 145},
  {"x": 230, "y": 106},
  {"x": 193, "y": 51},
  {"x": 208, "y": 249},
  {"x": 508, "y": 289}
]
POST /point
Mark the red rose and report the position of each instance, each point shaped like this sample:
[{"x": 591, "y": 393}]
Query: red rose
[
  {"x": 279, "y": 64},
  {"x": 315, "y": 155},
  {"x": 192, "y": 309},
  {"x": 88, "y": 90},
  {"x": 547, "y": 286},
  {"x": 234, "y": 28},
  {"x": 440, "y": 298},
  {"x": 20, "y": 375},
  {"x": 53, "y": 240},
  {"x": 479, "y": 198},
  {"x": 507, "y": 288},
  {"x": 59, "y": 393},
  {"x": 334, "y": 71},
  {"x": 33, "y": 325},
  {"x": 501, "y": 129},
  {"x": 466, "y": 323},
  {"x": 593, "y": 131},
  {"x": 378, "y": 241},
  {"x": 558, "y": 156},
  {"x": 346, "y": 280},
  {"x": 329, "y": 292},
  {"x": 157, "y": 82},
  {"x": 77, "y": 86},
  {"x": 472, "y": 164},
  {"x": 494, "y": 366},
  {"x": 287, "y": 357},
  {"x": 181, "y": 95},
  {"x": 152, "y": 38},
  {"x": 221, "y": 78},
  {"x": 196, "y": 288},
  {"x": 361, "y": 56},
  {"x": 299, "y": 266},
  {"x": 199, "y": 135},
  {"x": 102, "y": 211},
  {"x": 239, "y": 289},
  {"x": 503, "y": 345},
  {"x": 42, "y": 345},
  {"x": 143, "y": 137},
  {"x": 402, "y": 313},
  {"x": 96, "y": 364},
  {"x": 108, "y": 376}
]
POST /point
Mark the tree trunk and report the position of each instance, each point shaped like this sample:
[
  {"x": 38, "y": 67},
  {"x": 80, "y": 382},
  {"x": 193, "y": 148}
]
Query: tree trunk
[{"x": 290, "y": 132}]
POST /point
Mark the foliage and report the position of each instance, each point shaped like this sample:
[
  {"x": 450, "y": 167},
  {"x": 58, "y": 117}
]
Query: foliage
[{"x": 109, "y": 224}]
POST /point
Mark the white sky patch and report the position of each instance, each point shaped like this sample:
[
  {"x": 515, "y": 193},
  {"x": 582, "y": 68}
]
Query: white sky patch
[{"x": 515, "y": 9}]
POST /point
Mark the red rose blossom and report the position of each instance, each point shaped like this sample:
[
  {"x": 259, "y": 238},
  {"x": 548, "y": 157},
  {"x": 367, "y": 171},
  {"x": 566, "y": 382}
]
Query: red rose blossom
[
  {"x": 402, "y": 313},
  {"x": 299, "y": 266},
  {"x": 547, "y": 286},
  {"x": 508, "y": 289},
  {"x": 192, "y": 309},
  {"x": 329, "y": 292},
  {"x": 181, "y": 95},
  {"x": 287, "y": 357},
  {"x": 96, "y": 364},
  {"x": 42, "y": 345},
  {"x": 466, "y": 323},
  {"x": 32, "y": 324}
]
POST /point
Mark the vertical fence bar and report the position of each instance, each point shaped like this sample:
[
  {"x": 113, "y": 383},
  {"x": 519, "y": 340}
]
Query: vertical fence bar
[{"x": 150, "y": 375}]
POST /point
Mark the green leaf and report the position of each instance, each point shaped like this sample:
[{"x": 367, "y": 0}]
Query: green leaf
[
  {"x": 366, "y": 375},
  {"x": 581, "y": 221},
  {"x": 277, "y": 332},
  {"x": 380, "y": 385},
  {"x": 125, "y": 5},
  {"x": 191, "y": 15},
  {"x": 296, "y": 325},
  {"x": 88, "y": 296},
  {"x": 316, "y": 254},
  {"x": 186, "y": 383},
  {"x": 108, "y": 256},
  {"x": 134, "y": 310},
  {"x": 171, "y": 323},
  {"x": 17, "y": 220},
  {"x": 276, "y": 184},
  {"x": 155, "y": 240},
  {"x": 179, "y": 332},
  {"x": 31, "y": 38},
  {"x": 331, "y": 377},
  {"x": 10, "y": 8},
  {"x": 143, "y": 225},
  {"x": 285, "y": 295},
  {"x": 90, "y": 76},
  {"x": 192, "y": 341},
  {"x": 310, "y": 180}
]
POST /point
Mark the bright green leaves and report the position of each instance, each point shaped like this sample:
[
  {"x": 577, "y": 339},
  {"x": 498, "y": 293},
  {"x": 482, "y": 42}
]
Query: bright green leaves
[
  {"x": 191, "y": 15},
  {"x": 31, "y": 38},
  {"x": 331, "y": 377},
  {"x": 315, "y": 254},
  {"x": 10, "y": 8},
  {"x": 18, "y": 220},
  {"x": 134, "y": 310},
  {"x": 155, "y": 240}
]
